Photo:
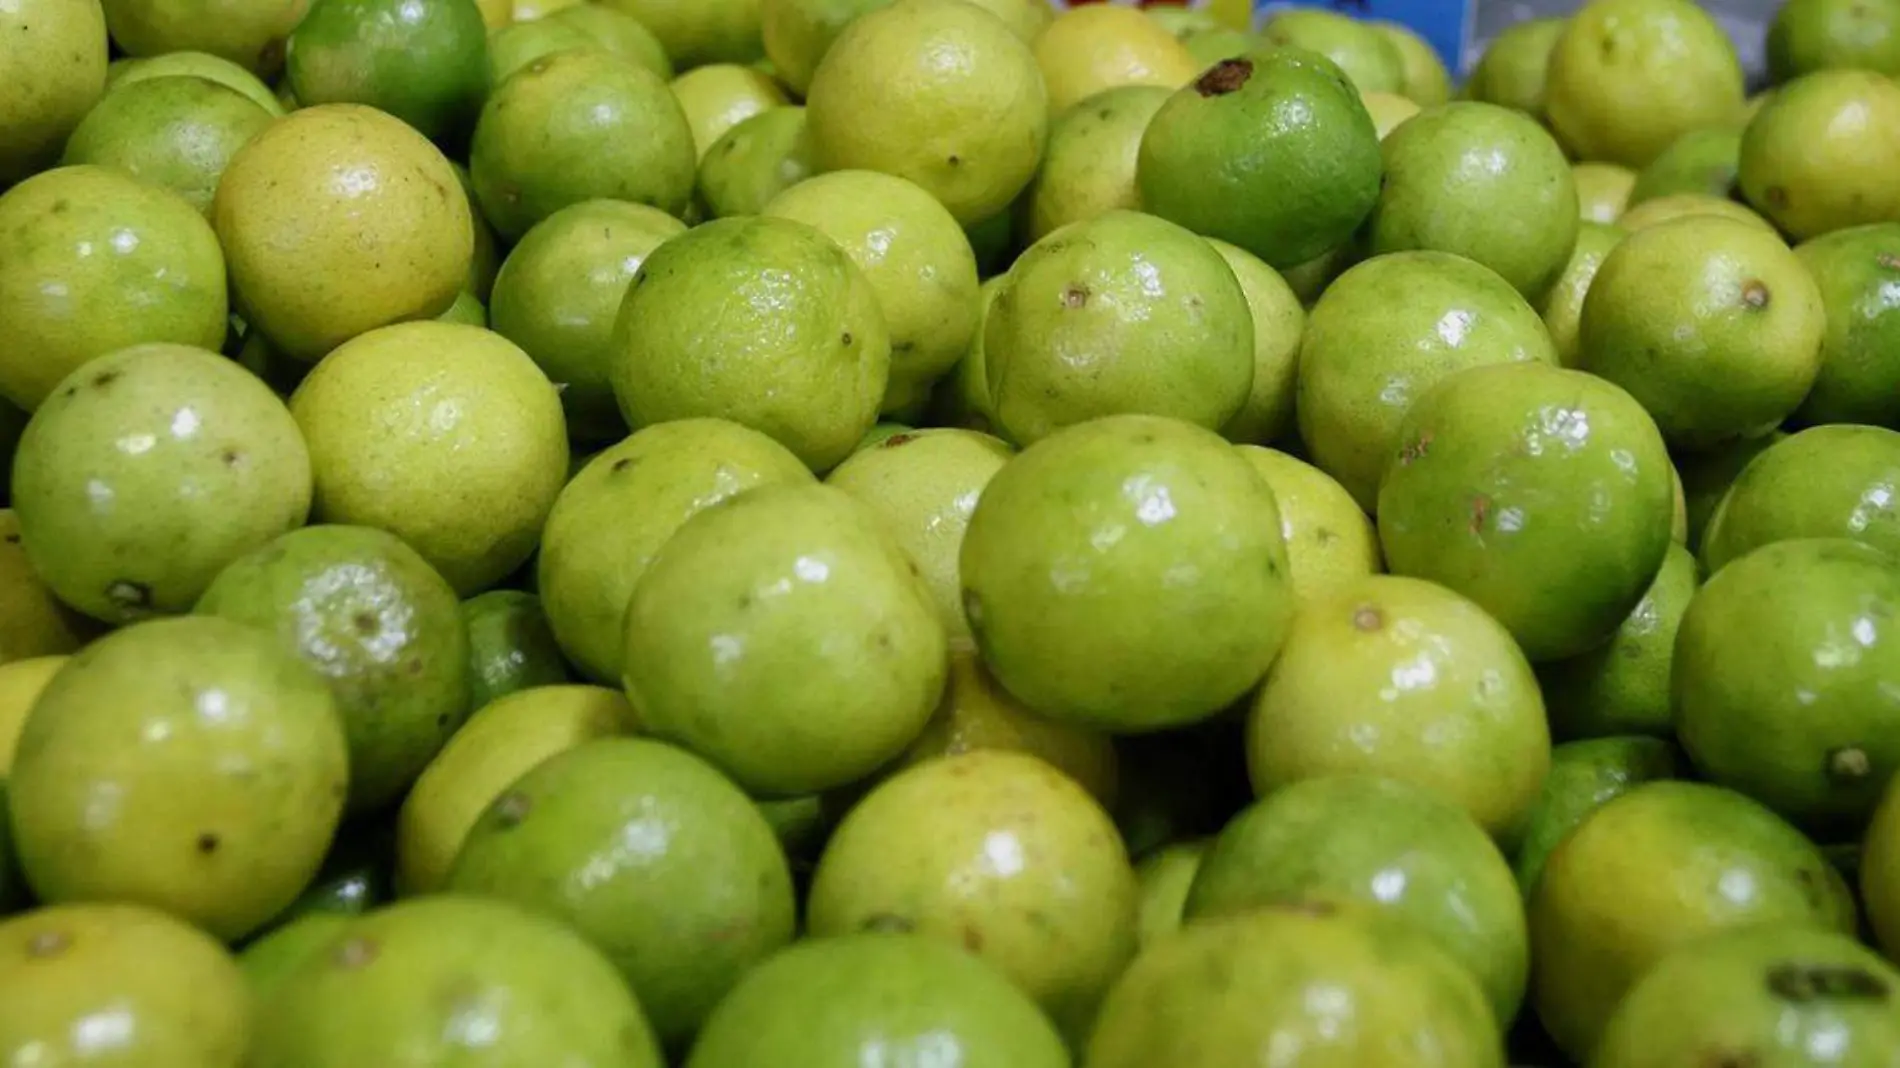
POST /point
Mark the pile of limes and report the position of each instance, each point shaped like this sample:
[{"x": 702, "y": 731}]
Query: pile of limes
[{"x": 929, "y": 533}]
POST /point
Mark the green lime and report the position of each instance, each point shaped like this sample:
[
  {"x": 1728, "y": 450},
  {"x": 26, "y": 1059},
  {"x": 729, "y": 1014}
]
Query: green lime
[
  {"x": 1376, "y": 341},
  {"x": 74, "y": 240},
  {"x": 1309, "y": 174},
  {"x": 760, "y": 320},
  {"x": 611, "y": 28},
  {"x": 1278, "y": 322},
  {"x": 1833, "y": 481},
  {"x": 1057, "y": 916},
  {"x": 1764, "y": 703},
  {"x": 1562, "y": 304},
  {"x": 34, "y": 624},
  {"x": 1880, "y": 870},
  {"x": 179, "y": 133},
  {"x": 1811, "y": 35},
  {"x": 788, "y": 689},
  {"x": 559, "y": 291},
  {"x": 1623, "y": 685},
  {"x": 1858, "y": 270},
  {"x": 1089, "y": 168},
  {"x": 1628, "y": 77},
  {"x": 225, "y": 755},
  {"x": 1603, "y": 190},
  {"x": 1518, "y": 214},
  {"x": 695, "y": 34},
  {"x": 178, "y": 995},
  {"x": 1123, "y": 313},
  {"x": 1817, "y": 156},
  {"x": 471, "y": 495},
  {"x": 1166, "y": 876},
  {"x": 1583, "y": 777},
  {"x": 1329, "y": 541},
  {"x": 924, "y": 485},
  {"x": 195, "y": 65},
  {"x": 575, "y": 126},
  {"x": 1673, "y": 206},
  {"x": 622, "y": 506},
  {"x": 1380, "y": 843},
  {"x": 1388, "y": 110},
  {"x": 1187, "y": 596},
  {"x": 865, "y": 998},
  {"x": 1468, "y": 725},
  {"x": 798, "y": 33},
  {"x": 251, "y": 35},
  {"x": 423, "y": 61},
  {"x": 1655, "y": 869},
  {"x": 1772, "y": 995},
  {"x": 444, "y": 978},
  {"x": 1712, "y": 324},
  {"x": 716, "y": 98},
  {"x": 1543, "y": 494},
  {"x": 122, "y": 515},
  {"x": 978, "y": 714},
  {"x": 1426, "y": 82},
  {"x": 755, "y": 161},
  {"x": 376, "y": 621},
  {"x": 510, "y": 646},
  {"x": 1700, "y": 161},
  {"x": 1369, "y": 56},
  {"x": 703, "y": 898},
  {"x": 1092, "y": 48},
  {"x": 1708, "y": 474},
  {"x": 1283, "y": 978},
  {"x": 915, "y": 257},
  {"x": 942, "y": 94},
  {"x": 339, "y": 219},
  {"x": 1514, "y": 69},
  {"x": 501, "y": 742},
  {"x": 53, "y": 62}
]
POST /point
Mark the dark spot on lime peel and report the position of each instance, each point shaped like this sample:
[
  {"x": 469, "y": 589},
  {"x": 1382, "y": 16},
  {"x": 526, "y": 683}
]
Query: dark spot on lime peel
[{"x": 1224, "y": 77}]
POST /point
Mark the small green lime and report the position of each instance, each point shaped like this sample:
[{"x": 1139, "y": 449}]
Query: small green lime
[
  {"x": 510, "y": 646},
  {"x": 1368, "y": 55},
  {"x": 760, "y": 320},
  {"x": 173, "y": 132},
  {"x": 703, "y": 897},
  {"x": 1516, "y": 213},
  {"x": 1816, "y": 158},
  {"x": 377, "y": 622},
  {"x": 559, "y": 291},
  {"x": 1562, "y": 304},
  {"x": 76, "y": 241},
  {"x": 1811, "y": 35},
  {"x": 1089, "y": 168},
  {"x": 423, "y": 61},
  {"x": 1623, "y": 685},
  {"x": 1382, "y": 843},
  {"x": 755, "y": 161},
  {"x": 1701, "y": 161},
  {"x": 1311, "y": 175},
  {"x": 1858, "y": 270},
  {"x": 1514, "y": 70},
  {"x": 1583, "y": 777},
  {"x": 866, "y": 999},
  {"x": 1833, "y": 481},
  {"x": 574, "y": 126},
  {"x": 226, "y": 760}
]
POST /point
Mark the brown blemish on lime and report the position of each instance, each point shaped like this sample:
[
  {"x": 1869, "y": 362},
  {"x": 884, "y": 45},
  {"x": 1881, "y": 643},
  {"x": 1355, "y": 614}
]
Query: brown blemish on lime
[
  {"x": 1075, "y": 295},
  {"x": 895, "y": 440},
  {"x": 1367, "y": 618},
  {"x": 1754, "y": 293},
  {"x": 1888, "y": 260},
  {"x": 1776, "y": 196},
  {"x": 104, "y": 379},
  {"x": 1416, "y": 450},
  {"x": 1480, "y": 510},
  {"x": 512, "y": 809},
  {"x": 1801, "y": 983},
  {"x": 1848, "y": 764},
  {"x": 1225, "y": 77},
  {"x": 129, "y": 595},
  {"x": 208, "y": 843},
  {"x": 365, "y": 622}
]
